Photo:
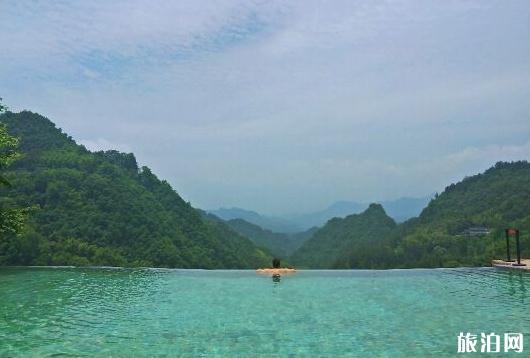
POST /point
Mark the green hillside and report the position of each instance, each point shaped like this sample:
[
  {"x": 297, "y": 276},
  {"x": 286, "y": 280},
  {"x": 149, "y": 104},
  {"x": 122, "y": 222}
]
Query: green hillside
[
  {"x": 496, "y": 199},
  {"x": 354, "y": 241},
  {"x": 280, "y": 245},
  {"x": 101, "y": 209}
]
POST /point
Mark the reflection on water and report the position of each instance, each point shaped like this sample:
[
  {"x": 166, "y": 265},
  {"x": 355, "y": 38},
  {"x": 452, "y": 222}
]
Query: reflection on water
[
  {"x": 516, "y": 285},
  {"x": 110, "y": 312}
]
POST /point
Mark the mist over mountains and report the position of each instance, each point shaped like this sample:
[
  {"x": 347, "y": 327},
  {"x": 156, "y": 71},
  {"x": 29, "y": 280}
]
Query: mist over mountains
[
  {"x": 400, "y": 210},
  {"x": 274, "y": 224}
]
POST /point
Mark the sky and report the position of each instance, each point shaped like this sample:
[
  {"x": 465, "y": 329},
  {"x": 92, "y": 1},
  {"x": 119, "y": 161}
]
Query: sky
[{"x": 280, "y": 106}]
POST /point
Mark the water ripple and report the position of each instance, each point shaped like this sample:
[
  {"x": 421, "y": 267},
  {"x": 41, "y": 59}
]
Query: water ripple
[{"x": 87, "y": 312}]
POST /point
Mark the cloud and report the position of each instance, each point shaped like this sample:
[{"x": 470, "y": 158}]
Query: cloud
[
  {"x": 280, "y": 106},
  {"x": 116, "y": 37}
]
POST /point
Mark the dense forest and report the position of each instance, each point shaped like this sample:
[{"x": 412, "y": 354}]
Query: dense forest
[
  {"x": 496, "y": 199},
  {"x": 341, "y": 243},
  {"x": 99, "y": 208},
  {"x": 11, "y": 217}
]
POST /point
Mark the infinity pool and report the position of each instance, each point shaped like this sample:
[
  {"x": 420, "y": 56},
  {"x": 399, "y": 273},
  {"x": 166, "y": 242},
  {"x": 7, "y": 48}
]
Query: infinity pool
[{"x": 149, "y": 312}]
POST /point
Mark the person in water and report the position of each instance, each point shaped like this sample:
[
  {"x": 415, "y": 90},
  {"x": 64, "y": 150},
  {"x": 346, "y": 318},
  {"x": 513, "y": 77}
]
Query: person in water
[{"x": 276, "y": 268}]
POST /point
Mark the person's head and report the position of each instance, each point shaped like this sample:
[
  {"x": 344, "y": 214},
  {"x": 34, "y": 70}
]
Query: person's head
[{"x": 276, "y": 263}]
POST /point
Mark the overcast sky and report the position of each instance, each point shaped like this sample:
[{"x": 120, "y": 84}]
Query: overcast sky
[{"x": 280, "y": 106}]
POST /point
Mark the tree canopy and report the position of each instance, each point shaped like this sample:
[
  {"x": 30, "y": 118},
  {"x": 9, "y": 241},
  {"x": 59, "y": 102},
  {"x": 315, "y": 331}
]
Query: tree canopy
[{"x": 11, "y": 218}]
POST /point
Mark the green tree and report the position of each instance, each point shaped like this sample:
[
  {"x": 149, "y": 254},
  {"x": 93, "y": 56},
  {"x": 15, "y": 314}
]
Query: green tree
[
  {"x": 8, "y": 153},
  {"x": 11, "y": 219},
  {"x": 8, "y": 146}
]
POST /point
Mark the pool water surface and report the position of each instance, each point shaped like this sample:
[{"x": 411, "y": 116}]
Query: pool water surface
[{"x": 159, "y": 312}]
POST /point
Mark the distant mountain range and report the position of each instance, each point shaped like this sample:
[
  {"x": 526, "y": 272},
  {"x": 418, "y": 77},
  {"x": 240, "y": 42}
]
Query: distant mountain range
[
  {"x": 400, "y": 210},
  {"x": 274, "y": 224}
]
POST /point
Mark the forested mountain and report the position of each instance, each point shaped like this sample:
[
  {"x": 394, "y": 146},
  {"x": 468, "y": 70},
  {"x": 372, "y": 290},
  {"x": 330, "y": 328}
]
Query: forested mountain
[
  {"x": 101, "y": 209},
  {"x": 280, "y": 245},
  {"x": 344, "y": 243},
  {"x": 496, "y": 199}
]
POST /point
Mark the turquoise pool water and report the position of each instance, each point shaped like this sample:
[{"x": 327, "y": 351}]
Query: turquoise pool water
[{"x": 122, "y": 312}]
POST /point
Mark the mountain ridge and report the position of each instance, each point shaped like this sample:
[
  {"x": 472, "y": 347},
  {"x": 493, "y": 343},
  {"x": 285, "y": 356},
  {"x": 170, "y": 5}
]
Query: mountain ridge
[
  {"x": 332, "y": 244},
  {"x": 100, "y": 208},
  {"x": 400, "y": 209}
]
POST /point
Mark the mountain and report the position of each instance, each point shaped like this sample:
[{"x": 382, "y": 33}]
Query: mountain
[
  {"x": 271, "y": 223},
  {"x": 343, "y": 242},
  {"x": 400, "y": 210},
  {"x": 280, "y": 245},
  {"x": 440, "y": 236},
  {"x": 99, "y": 208},
  {"x": 496, "y": 199}
]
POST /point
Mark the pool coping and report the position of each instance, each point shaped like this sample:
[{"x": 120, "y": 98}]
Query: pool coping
[{"x": 510, "y": 265}]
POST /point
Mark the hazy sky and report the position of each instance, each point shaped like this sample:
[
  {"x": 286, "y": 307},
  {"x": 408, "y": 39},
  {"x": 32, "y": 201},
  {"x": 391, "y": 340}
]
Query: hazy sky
[{"x": 280, "y": 106}]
